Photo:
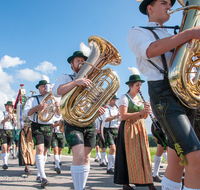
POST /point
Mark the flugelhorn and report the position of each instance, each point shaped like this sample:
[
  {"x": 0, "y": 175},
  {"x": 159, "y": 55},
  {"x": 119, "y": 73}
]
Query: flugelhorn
[{"x": 46, "y": 114}]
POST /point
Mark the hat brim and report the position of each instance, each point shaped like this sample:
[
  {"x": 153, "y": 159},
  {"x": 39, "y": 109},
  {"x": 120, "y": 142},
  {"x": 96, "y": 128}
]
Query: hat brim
[
  {"x": 134, "y": 81},
  {"x": 39, "y": 85},
  {"x": 145, "y": 3},
  {"x": 72, "y": 57}
]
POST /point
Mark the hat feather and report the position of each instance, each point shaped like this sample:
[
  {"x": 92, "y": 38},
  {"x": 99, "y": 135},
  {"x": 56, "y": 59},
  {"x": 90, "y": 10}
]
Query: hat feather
[
  {"x": 85, "y": 49},
  {"x": 134, "y": 71}
]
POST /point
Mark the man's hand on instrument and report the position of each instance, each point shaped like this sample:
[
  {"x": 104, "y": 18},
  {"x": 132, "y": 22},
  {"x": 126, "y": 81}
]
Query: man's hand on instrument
[
  {"x": 83, "y": 82},
  {"x": 101, "y": 110},
  {"x": 42, "y": 106}
]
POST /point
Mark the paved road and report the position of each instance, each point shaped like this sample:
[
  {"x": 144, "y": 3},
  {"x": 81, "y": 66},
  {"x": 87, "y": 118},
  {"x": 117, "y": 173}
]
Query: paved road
[{"x": 13, "y": 178}]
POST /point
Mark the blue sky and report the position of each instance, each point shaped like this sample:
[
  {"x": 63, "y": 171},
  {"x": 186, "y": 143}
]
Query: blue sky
[{"x": 37, "y": 36}]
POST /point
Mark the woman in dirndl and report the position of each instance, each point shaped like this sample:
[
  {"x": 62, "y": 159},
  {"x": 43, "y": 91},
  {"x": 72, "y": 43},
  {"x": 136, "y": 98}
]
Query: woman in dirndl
[{"x": 133, "y": 162}]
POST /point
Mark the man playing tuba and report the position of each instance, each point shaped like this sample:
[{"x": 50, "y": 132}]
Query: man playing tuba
[
  {"x": 175, "y": 119},
  {"x": 41, "y": 131},
  {"x": 80, "y": 139}
]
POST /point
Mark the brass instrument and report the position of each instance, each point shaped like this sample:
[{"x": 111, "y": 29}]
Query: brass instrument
[
  {"x": 47, "y": 113},
  {"x": 80, "y": 106},
  {"x": 184, "y": 72}
]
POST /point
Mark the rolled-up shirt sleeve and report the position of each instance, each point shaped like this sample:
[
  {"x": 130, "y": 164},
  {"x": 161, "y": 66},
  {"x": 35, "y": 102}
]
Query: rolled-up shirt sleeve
[
  {"x": 139, "y": 42},
  {"x": 28, "y": 106},
  {"x": 62, "y": 79},
  {"x": 1, "y": 117}
]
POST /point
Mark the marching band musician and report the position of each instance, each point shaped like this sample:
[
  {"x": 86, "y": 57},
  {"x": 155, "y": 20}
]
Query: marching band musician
[
  {"x": 41, "y": 131},
  {"x": 176, "y": 119},
  {"x": 57, "y": 142},
  {"x": 133, "y": 161},
  {"x": 111, "y": 123},
  {"x": 9, "y": 122},
  {"x": 80, "y": 139},
  {"x": 100, "y": 144}
]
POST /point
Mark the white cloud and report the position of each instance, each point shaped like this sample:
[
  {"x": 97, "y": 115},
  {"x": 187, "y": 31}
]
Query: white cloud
[
  {"x": 46, "y": 67},
  {"x": 8, "y": 61},
  {"x": 28, "y": 74}
]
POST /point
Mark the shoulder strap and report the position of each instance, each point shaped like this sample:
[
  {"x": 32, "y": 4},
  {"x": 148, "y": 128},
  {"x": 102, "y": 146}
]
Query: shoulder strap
[
  {"x": 4, "y": 118},
  {"x": 164, "y": 62},
  {"x": 35, "y": 114}
]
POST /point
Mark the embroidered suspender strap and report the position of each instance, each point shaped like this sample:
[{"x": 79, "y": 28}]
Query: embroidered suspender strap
[
  {"x": 164, "y": 62},
  {"x": 35, "y": 114}
]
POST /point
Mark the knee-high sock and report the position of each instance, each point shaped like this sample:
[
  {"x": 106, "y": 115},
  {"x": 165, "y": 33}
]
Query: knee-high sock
[
  {"x": 60, "y": 156},
  {"x": 56, "y": 159},
  {"x": 77, "y": 173},
  {"x": 86, "y": 173},
  {"x": 4, "y": 157},
  {"x": 157, "y": 162},
  {"x": 40, "y": 165},
  {"x": 8, "y": 154},
  {"x": 113, "y": 160},
  {"x": 36, "y": 161},
  {"x": 103, "y": 154},
  {"x": 14, "y": 152},
  {"x": 168, "y": 184},
  {"x": 165, "y": 155},
  {"x": 186, "y": 188},
  {"x": 99, "y": 155},
  {"x": 109, "y": 161}
]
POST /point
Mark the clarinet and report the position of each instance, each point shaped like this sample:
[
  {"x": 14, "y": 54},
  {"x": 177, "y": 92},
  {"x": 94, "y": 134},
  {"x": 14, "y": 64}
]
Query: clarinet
[{"x": 152, "y": 118}]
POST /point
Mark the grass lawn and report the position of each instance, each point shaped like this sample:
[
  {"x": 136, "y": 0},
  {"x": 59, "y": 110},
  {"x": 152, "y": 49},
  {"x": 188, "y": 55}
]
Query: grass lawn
[{"x": 93, "y": 153}]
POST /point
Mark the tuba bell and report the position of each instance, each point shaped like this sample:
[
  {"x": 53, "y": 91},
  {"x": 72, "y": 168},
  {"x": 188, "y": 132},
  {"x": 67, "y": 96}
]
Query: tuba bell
[
  {"x": 184, "y": 72},
  {"x": 80, "y": 106},
  {"x": 47, "y": 113}
]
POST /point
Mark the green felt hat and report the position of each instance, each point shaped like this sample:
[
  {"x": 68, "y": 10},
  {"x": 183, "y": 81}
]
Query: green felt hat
[
  {"x": 77, "y": 54},
  {"x": 41, "y": 83},
  {"x": 145, "y": 3},
  {"x": 115, "y": 97},
  {"x": 134, "y": 78},
  {"x": 9, "y": 103}
]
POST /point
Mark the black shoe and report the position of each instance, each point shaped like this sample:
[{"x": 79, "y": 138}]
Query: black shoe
[
  {"x": 103, "y": 165},
  {"x": 58, "y": 170},
  {"x": 38, "y": 179},
  {"x": 127, "y": 187},
  {"x": 60, "y": 163},
  {"x": 14, "y": 157},
  {"x": 110, "y": 171},
  {"x": 157, "y": 179},
  {"x": 5, "y": 167},
  {"x": 48, "y": 155},
  {"x": 96, "y": 160},
  {"x": 161, "y": 166},
  {"x": 44, "y": 182}
]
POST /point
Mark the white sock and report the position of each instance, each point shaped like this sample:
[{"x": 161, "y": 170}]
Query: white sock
[
  {"x": 86, "y": 173},
  {"x": 45, "y": 160},
  {"x": 157, "y": 162},
  {"x": 168, "y": 184},
  {"x": 40, "y": 165},
  {"x": 56, "y": 159},
  {"x": 8, "y": 154},
  {"x": 113, "y": 160},
  {"x": 14, "y": 152},
  {"x": 106, "y": 159},
  {"x": 99, "y": 155},
  {"x": 77, "y": 173},
  {"x": 4, "y": 157},
  {"x": 96, "y": 157},
  {"x": 103, "y": 154},
  {"x": 186, "y": 188},
  {"x": 109, "y": 161},
  {"x": 165, "y": 155},
  {"x": 60, "y": 155}
]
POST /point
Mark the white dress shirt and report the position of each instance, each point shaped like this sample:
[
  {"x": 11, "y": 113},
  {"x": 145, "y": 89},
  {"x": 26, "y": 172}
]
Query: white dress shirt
[
  {"x": 108, "y": 113},
  {"x": 31, "y": 103},
  {"x": 139, "y": 39},
  {"x": 98, "y": 123},
  {"x": 7, "y": 125},
  {"x": 56, "y": 129},
  {"x": 123, "y": 100},
  {"x": 62, "y": 79}
]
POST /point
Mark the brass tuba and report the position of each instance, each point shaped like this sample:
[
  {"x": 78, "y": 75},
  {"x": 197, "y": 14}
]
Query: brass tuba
[
  {"x": 80, "y": 106},
  {"x": 184, "y": 72},
  {"x": 47, "y": 113}
]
